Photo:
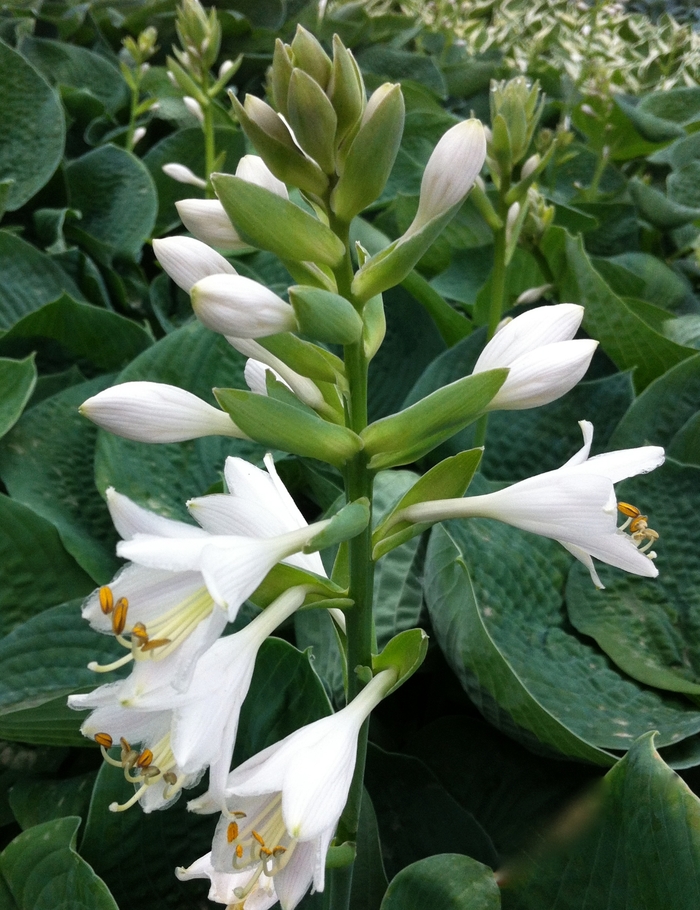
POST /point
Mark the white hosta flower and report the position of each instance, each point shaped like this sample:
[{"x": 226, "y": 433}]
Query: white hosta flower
[
  {"x": 238, "y": 306},
  {"x": 243, "y": 535},
  {"x": 187, "y": 260},
  {"x": 450, "y": 172},
  {"x": 305, "y": 389},
  {"x": 544, "y": 362},
  {"x": 207, "y": 220},
  {"x": 255, "y": 375},
  {"x": 183, "y": 174},
  {"x": 225, "y": 884},
  {"x": 574, "y": 504},
  {"x": 283, "y": 804},
  {"x": 157, "y": 412}
]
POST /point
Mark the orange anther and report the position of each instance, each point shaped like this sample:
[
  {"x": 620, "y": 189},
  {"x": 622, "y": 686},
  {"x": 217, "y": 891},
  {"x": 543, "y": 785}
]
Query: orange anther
[
  {"x": 258, "y": 838},
  {"x": 119, "y": 615},
  {"x": 239, "y": 851},
  {"x": 106, "y": 599},
  {"x": 638, "y": 524},
  {"x": 104, "y": 739},
  {"x": 155, "y": 643},
  {"x": 139, "y": 631},
  {"x": 627, "y": 509},
  {"x": 232, "y": 832},
  {"x": 278, "y": 851},
  {"x": 144, "y": 759},
  {"x": 265, "y": 852},
  {"x": 126, "y": 746}
]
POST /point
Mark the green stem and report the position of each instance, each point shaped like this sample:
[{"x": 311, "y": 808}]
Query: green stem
[
  {"x": 135, "y": 92},
  {"x": 209, "y": 138},
  {"x": 360, "y": 619}
]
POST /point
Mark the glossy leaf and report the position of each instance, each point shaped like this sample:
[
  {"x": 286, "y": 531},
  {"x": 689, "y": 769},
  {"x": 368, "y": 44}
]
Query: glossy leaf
[{"x": 448, "y": 880}]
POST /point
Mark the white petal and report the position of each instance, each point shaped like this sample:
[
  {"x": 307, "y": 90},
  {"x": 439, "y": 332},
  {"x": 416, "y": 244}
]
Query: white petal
[
  {"x": 171, "y": 553},
  {"x": 585, "y": 450},
  {"x": 255, "y": 375},
  {"x": 130, "y": 519},
  {"x": 624, "y": 463},
  {"x": 187, "y": 260},
  {"x": 529, "y": 331},
  {"x": 220, "y": 513},
  {"x": 543, "y": 375},
  {"x": 253, "y": 169},
  {"x": 235, "y": 305},
  {"x": 208, "y": 221},
  {"x": 619, "y": 550},
  {"x": 294, "y": 880},
  {"x": 156, "y": 412},
  {"x": 585, "y": 558},
  {"x": 224, "y": 884}
]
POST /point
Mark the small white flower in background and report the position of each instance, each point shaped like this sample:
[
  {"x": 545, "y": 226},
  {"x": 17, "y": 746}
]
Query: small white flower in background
[
  {"x": 575, "y": 505},
  {"x": 283, "y": 804},
  {"x": 194, "y": 107},
  {"x": 450, "y": 172},
  {"x": 157, "y": 412},
  {"x": 544, "y": 362},
  {"x": 246, "y": 533},
  {"x": 238, "y": 306},
  {"x": 207, "y": 218},
  {"x": 183, "y": 174},
  {"x": 224, "y": 885},
  {"x": 187, "y": 260}
]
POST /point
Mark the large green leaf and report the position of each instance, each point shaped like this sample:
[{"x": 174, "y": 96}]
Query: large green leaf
[
  {"x": 47, "y": 463},
  {"x": 163, "y": 477},
  {"x": 649, "y": 626},
  {"x": 635, "y": 842},
  {"x": 116, "y": 197},
  {"x": 33, "y": 128},
  {"x": 496, "y": 604},
  {"x": 37, "y": 801},
  {"x": 65, "y": 331},
  {"x": 136, "y": 854},
  {"x": 403, "y": 790},
  {"x": 623, "y": 335},
  {"x": 448, "y": 881},
  {"x": 35, "y": 569},
  {"x": 186, "y": 147},
  {"x": 368, "y": 876},
  {"x": 17, "y": 381},
  {"x": 28, "y": 280},
  {"x": 42, "y": 871}
]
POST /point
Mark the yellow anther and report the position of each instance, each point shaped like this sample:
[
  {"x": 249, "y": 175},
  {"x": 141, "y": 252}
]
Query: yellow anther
[
  {"x": 638, "y": 524},
  {"x": 119, "y": 615},
  {"x": 278, "y": 851},
  {"x": 139, "y": 631},
  {"x": 144, "y": 759},
  {"x": 153, "y": 643},
  {"x": 629, "y": 510},
  {"x": 239, "y": 814},
  {"x": 126, "y": 746},
  {"x": 104, "y": 739},
  {"x": 258, "y": 838},
  {"x": 265, "y": 852},
  {"x": 232, "y": 832},
  {"x": 106, "y": 599}
]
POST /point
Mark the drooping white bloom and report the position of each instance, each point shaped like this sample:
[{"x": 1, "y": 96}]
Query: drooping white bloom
[
  {"x": 224, "y": 885},
  {"x": 183, "y": 174},
  {"x": 243, "y": 535},
  {"x": 157, "y": 412},
  {"x": 574, "y": 504},
  {"x": 207, "y": 218},
  {"x": 187, "y": 260},
  {"x": 450, "y": 172},
  {"x": 238, "y": 306},
  {"x": 285, "y": 802},
  {"x": 544, "y": 362}
]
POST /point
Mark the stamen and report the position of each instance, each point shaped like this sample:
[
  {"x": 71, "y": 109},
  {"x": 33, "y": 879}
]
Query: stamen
[
  {"x": 106, "y": 599},
  {"x": 105, "y": 668},
  {"x": 639, "y": 530},
  {"x": 155, "y": 643},
  {"x": 278, "y": 851},
  {"x": 170, "y": 777},
  {"x": 628, "y": 509},
  {"x": 242, "y": 893},
  {"x": 239, "y": 851},
  {"x": 258, "y": 838},
  {"x": 104, "y": 739},
  {"x": 232, "y": 832},
  {"x": 119, "y": 615},
  {"x": 116, "y": 807},
  {"x": 144, "y": 759},
  {"x": 139, "y": 631}
]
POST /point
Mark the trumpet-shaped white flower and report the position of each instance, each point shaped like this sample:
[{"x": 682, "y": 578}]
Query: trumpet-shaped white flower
[
  {"x": 187, "y": 260},
  {"x": 157, "y": 412},
  {"x": 285, "y": 802},
  {"x": 450, "y": 172},
  {"x": 242, "y": 536},
  {"x": 574, "y": 504},
  {"x": 225, "y": 884},
  {"x": 544, "y": 362},
  {"x": 238, "y": 306},
  {"x": 207, "y": 220}
]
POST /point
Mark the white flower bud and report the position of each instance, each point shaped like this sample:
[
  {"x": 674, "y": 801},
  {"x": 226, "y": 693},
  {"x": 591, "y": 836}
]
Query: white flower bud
[
  {"x": 225, "y": 67},
  {"x": 304, "y": 388},
  {"x": 139, "y": 133},
  {"x": 187, "y": 261},
  {"x": 255, "y": 375},
  {"x": 253, "y": 169},
  {"x": 530, "y": 166},
  {"x": 208, "y": 221},
  {"x": 156, "y": 412},
  {"x": 194, "y": 107},
  {"x": 183, "y": 174},
  {"x": 235, "y": 305}
]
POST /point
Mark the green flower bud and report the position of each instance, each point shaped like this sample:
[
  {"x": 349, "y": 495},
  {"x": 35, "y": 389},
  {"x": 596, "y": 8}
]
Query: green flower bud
[
  {"x": 346, "y": 90},
  {"x": 280, "y": 74},
  {"x": 325, "y": 316},
  {"x": 372, "y": 154},
  {"x": 312, "y": 118},
  {"x": 520, "y": 106},
  {"x": 311, "y": 57}
]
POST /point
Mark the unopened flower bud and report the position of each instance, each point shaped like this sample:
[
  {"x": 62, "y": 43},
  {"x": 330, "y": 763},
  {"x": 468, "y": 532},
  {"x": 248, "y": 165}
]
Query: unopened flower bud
[
  {"x": 530, "y": 166},
  {"x": 238, "y": 306},
  {"x": 183, "y": 174},
  {"x": 139, "y": 133},
  {"x": 208, "y": 221},
  {"x": 187, "y": 261},
  {"x": 194, "y": 107}
]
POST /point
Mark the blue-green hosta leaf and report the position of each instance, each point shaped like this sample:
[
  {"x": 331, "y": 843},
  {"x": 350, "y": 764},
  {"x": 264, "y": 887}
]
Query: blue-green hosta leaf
[
  {"x": 47, "y": 463},
  {"x": 495, "y": 597},
  {"x": 633, "y": 842},
  {"x": 448, "y": 881},
  {"x": 649, "y": 626},
  {"x": 33, "y": 128},
  {"x": 41, "y": 870},
  {"x": 17, "y": 381}
]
